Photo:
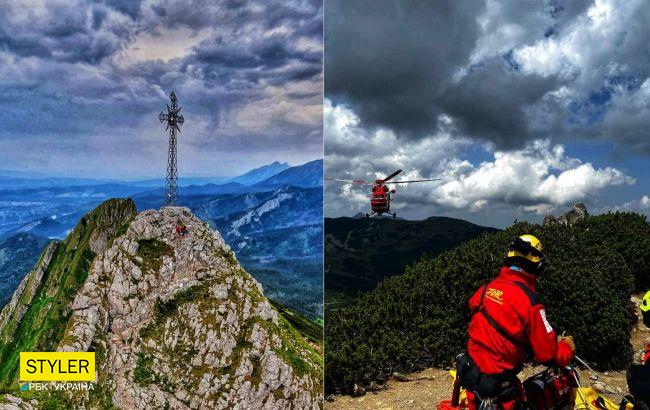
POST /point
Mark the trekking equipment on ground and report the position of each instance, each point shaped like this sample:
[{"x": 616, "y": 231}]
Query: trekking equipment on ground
[
  {"x": 500, "y": 387},
  {"x": 554, "y": 388}
]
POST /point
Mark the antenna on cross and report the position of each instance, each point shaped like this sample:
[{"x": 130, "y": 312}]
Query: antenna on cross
[{"x": 174, "y": 120}]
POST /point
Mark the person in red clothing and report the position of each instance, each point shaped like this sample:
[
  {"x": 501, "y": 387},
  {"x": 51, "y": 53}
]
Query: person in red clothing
[
  {"x": 181, "y": 229},
  {"x": 508, "y": 324}
]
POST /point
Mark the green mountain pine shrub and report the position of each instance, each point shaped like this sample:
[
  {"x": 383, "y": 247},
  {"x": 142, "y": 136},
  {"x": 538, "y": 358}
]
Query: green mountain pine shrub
[{"x": 419, "y": 319}]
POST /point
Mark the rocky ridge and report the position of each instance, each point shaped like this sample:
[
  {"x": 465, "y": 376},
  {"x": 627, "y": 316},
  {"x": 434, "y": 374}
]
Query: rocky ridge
[
  {"x": 577, "y": 213},
  {"x": 176, "y": 322}
]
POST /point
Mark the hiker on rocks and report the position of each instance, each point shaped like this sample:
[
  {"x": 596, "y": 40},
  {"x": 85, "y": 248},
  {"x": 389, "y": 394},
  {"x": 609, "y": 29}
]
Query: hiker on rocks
[
  {"x": 638, "y": 375},
  {"x": 508, "y": 321},
  {"x": 181, "y": 229}
]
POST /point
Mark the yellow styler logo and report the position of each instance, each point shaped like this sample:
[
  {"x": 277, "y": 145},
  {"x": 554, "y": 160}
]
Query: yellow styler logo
[{"x": 57, "y": 366}]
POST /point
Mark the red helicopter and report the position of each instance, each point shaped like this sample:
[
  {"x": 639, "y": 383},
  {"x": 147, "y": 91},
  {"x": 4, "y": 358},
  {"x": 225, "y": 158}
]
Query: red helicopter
[{"x": 380, "y": 194}]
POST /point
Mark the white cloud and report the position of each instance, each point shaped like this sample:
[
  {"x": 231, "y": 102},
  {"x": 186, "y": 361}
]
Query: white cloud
[
  {"x": 538, "y": 178},
  {"x": 609, "y": 39},
  {"x": 249, "y": 82},
  {"x": 163, "y": 45},
  {"x": 595, "y": 49},
  {"x": 505, "y": 25},
  {"x": 353, "y": 152},
  {"x": 637, "y": 205}
]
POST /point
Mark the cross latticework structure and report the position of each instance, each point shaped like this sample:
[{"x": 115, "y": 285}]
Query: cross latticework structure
[{"x": 174, "y": 120}]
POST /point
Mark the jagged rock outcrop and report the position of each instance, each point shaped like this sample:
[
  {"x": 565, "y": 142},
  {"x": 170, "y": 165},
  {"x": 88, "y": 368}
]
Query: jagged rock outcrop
[
  {"x": 577, "y": 213},
  {"x": 176, "y": 322}
]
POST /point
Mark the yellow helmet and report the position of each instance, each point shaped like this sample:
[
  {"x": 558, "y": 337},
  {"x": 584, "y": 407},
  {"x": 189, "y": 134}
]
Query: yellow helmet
[
  {"x": 645, "y": 302},
  {"x": 526, "y": 252}
]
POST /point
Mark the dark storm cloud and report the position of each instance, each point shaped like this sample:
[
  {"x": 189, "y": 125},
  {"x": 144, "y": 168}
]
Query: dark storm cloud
[
  {"x": 391, "y": 60},
  {"x": 268, "y": 53},
  {"x": 563, "y": 13},
  {"x": 197, "y": 14},
  {"x": 532, "y": 18},
  {"x": 507, "y": 71},
  {"x": 92, "y": 74},
  {"x": 62, "y": 31},
  {"x": 129, "y": 7},
  {"x": 499, "y": 99},
  {"x": 492, "y": 101}
]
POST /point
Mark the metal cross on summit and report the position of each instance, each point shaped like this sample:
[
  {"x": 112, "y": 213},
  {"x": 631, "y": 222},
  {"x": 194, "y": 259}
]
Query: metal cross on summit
[{"x": 174, "y": 120}]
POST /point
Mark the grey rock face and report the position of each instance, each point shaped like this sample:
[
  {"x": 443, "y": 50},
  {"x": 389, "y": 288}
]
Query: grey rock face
[
  {"x": 577, "y": 213},
  {"x": 176, "y": 322},
  {"x": 16, "y": 403}
]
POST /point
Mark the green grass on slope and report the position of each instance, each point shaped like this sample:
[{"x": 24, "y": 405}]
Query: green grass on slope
[
  {"x": 309, "y": 329},
  {"x": 419, "y": 319},
  {"x": 46, "y": 318},
  {"x": 359, "y": 253},
  {"x": 152, "y": 251}
]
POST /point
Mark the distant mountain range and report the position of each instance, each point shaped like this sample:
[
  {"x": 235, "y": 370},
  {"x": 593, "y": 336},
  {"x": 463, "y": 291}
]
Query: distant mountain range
[
  {"x": 278, "y": 237},
  {"x": 18, "y": 255},
  {"x": 271, "y": 215},
  {"x": 309, "y": 175},
  {"x": 305, "y": 176},
  {"x": 259, "y": 174},
  {"x": 361, "y": 252},
  {"x": 16, "y": 180},
  {"x": 51, "y": 210},
  {"x": 286, "y": 207}
]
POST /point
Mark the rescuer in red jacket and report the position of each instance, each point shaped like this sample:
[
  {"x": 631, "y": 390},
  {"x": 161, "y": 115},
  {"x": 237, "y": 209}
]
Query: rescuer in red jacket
[{"x": 508, "y": 323}]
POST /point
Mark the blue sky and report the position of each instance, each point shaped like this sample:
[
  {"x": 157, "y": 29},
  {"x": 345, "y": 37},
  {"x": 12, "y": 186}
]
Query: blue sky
[
  {"x": 83, "y": 82},
  {"x": 521, "y": 107}
]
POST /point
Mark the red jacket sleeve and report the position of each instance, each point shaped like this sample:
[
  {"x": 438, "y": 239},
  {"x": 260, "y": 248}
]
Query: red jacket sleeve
[
  {"x": 646, "y": 356},
  {"x": 543, "y": 339},
  {"x": 474, "y": 300}
]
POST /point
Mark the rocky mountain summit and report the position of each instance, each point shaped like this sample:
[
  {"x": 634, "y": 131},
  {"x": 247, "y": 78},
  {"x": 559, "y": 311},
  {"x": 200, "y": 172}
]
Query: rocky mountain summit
[
  {"x": 174, "y": 320},
  {"x": 577, "y": 213}
]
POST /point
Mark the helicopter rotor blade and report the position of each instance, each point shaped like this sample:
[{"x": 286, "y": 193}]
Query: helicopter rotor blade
[
  {"x": 349, "y": 181},
  {"x": 393, "y": 175},
  {"x": 416, "y": 180}
]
